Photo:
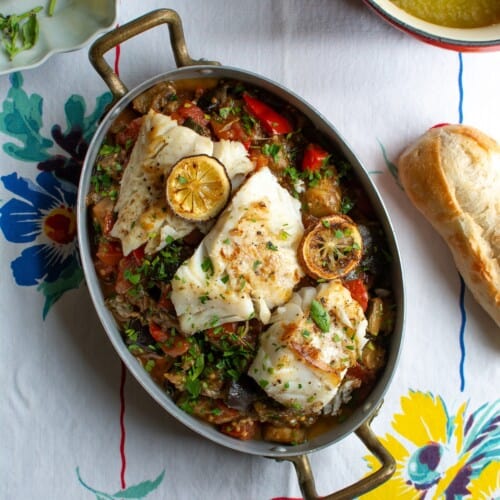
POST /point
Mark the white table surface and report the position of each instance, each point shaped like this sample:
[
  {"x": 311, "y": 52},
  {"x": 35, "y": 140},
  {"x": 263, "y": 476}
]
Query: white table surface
[{"x": 75, "y": 425}]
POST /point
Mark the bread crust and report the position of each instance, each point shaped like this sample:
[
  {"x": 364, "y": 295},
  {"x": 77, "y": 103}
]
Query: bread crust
[{"x": 452, "y": 175}]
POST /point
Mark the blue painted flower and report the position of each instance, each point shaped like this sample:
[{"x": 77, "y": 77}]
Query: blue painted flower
[{"x": 42, "y": 212}]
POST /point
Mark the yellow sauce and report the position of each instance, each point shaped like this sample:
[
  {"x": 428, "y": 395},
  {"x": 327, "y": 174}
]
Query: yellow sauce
[{"x": 454, "y": 13}]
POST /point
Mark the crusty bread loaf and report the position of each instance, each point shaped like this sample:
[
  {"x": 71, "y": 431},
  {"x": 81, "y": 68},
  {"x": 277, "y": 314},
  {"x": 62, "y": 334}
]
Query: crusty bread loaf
[{"x": 452, "y": 175}]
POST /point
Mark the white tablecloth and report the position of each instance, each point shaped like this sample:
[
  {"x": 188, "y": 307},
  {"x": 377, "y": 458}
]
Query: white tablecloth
[{"x": 75, "y": 425}]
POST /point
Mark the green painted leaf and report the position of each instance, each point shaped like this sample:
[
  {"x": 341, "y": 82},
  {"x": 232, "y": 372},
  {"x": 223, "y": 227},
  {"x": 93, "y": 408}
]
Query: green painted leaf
[
  {"x": 21, "y": 119},
  {"x": 69, "y": 279},
  {"x": 99, "y": 494},
  {"x": 393, "y": 169},
  {"x": 140, "y": 490},
  {"x": 75, "y": 108}
]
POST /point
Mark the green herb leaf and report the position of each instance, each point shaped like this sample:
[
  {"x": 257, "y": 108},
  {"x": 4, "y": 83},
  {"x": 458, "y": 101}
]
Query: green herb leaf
[
  {"x": 51, "y": 7},
  {"x": 346, "y": 205},
  {"x": 132, "y": 277},
  {"x": 320, "y": 316},
  {"x": 207, "y": 266},
  {"x": 271, "y": 246},
  {"x": 19, "y": 31},
  {"x": 193, "y": 386},
  {"x": 256, "y": 264},
  {"x": 272, "y": 150},
  {"x": 224, "y": 112}
]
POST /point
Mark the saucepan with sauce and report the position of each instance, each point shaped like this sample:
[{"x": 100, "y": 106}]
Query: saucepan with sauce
[
  {"x": 466, "y": 26},
  {"x": 240, "y": 259}
]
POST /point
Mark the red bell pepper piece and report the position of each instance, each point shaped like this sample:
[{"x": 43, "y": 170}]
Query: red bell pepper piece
[
  {"x": 314, "y": 158},
  {"x": 271, "y": 121},
  {"x": 109, "y": 252},
  {"x": 358, "y": 292},
  {"x": 171, "y": 342},
  {"x": 138, "y": 255}
]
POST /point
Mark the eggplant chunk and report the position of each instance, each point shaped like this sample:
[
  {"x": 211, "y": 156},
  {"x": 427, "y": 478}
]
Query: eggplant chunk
[{"x": 323, "y": 199}]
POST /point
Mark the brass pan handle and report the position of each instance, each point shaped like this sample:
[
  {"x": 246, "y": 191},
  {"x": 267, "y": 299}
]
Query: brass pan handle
[
  {"x": 131, "y": 29},
  {"x": 370, "y": 440}
]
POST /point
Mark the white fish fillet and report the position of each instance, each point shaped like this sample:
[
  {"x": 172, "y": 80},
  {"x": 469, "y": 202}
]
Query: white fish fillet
[
  {"x": 143, "y": 215},
  {"x": 298, "y": 364},
  {"x": 247, "y": 264}
]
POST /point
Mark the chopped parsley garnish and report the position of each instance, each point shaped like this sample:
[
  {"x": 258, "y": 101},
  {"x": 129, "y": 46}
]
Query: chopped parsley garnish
[
  {"x": 108, "y": 149},
  {"x": 150, "y": 364},
  {"x": 272, "y": 150},
  {"x": 207, "y": 266},
  {"x": 132, "y": 277},
  {"x": 155, "y": 269},
  {"x": 271, "y": 246},
  {"x": 346, "y": 205},
  {"x": 225, "y": 112},
  {"x": 248, "y": 122}
]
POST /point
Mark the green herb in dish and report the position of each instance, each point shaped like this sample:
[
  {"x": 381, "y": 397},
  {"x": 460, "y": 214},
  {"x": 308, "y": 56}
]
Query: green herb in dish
[
  {"x": 19, "y": 31},
  {"x": 51, "y": 7},
  {"x": 320, "y": 316}
]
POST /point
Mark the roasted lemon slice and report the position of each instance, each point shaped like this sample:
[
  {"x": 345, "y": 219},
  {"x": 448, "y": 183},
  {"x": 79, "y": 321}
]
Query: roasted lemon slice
[
  {"x": 198, "y": 187},
  {"x": 331, "y": 248}
]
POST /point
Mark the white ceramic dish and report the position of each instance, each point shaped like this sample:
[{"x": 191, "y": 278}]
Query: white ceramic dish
[
  {"x": 74, "y": 23},
  {"x": 464, "y": 40}
]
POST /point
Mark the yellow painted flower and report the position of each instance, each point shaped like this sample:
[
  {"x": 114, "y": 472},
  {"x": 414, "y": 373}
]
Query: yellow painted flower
[{"x": 441, "y": 456}]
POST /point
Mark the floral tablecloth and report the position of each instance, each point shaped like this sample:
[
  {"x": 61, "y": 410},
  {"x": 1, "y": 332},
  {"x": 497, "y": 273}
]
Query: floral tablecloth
[{"x": 75, "y": 425}]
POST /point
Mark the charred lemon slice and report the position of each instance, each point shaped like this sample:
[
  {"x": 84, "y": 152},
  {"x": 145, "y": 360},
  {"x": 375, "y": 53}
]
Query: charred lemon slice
[
  {"x": 198, "y": 188},
  {"x": 331, "y": 248}
]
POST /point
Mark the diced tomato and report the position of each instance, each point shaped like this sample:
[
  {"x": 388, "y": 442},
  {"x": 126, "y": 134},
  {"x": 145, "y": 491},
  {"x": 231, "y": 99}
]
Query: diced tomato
[
  {"x": 222, "y": 330},
  {"x": 231, "y": 130},
  {"x": 129, "y": 263},
  {"x": 165, "y": 302},
  {"x": 243, "y": 429},
  {"x": 172, "y": 343},
  {"x": 104, "y": 271},
  {"x": 102, "y": 213},
  {"x": 109, "y": 252},
  {"x": 314, "y": 158},
  {"x": 214, "y": 411},
  {"x": 259, "y": 159},
  {"x": 129, "y": 135},
  {"x": 358, "y": 292},
  {"x": 122, "y": 284},
  {"x": 190, "y": 110},
  {"x": 272, "y": 122},
  {"x": 138, "y": 254}
]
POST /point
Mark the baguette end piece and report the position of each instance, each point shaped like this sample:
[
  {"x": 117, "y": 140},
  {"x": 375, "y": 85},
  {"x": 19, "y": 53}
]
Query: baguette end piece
[{"x": 452, "y": 176}]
